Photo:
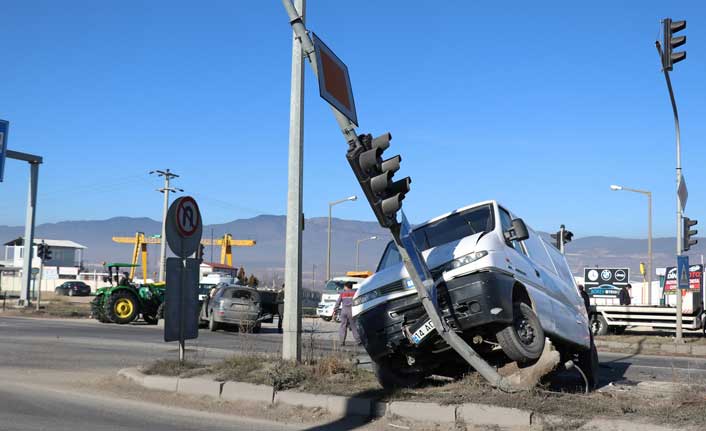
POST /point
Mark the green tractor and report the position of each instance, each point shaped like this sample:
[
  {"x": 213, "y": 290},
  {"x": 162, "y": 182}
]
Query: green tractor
[{"x": 123, "y": 302}]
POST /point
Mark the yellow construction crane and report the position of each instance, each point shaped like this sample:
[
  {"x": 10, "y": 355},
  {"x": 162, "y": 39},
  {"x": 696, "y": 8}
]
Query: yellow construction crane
[
  {"x": 140, "y": 241},
  {"x": 226, "y": 243}
]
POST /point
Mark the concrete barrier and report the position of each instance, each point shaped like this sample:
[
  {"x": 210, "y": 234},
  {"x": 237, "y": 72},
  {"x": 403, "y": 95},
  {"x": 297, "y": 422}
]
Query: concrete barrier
[
  {"x": 161, "y": 383},
  {"x": 237, "y": 391},
  {"x": 479, "y": 414},
  {"x": 425, "y": 412},
  {"x": 199, "y": 386}
]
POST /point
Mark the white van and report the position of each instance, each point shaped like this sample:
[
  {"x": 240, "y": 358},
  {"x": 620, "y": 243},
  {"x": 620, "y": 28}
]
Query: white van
[
  {"x": 504, "y": 290},
  {"x": 332, "y": 290}
]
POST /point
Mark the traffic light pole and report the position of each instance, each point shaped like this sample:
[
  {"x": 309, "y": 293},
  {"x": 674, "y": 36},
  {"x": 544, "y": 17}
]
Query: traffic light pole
[
  {"x": 348, "y": 129},
  {"x": 679, "y": 176}
]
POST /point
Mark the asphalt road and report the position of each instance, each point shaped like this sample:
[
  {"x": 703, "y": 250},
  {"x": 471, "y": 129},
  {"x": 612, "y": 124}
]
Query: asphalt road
[
  {"x": 30, "y": 407},
  {"x": 41, "y": 358}
]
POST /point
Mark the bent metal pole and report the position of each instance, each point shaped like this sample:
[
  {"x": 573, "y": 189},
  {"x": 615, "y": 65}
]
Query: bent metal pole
[{"x": 348, "y": 130}]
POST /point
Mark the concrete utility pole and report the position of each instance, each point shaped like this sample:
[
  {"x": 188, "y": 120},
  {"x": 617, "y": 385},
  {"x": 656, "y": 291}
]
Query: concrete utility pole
[
  {"x": 28, "y": 240},
  {"x": 649, "y": 235},
  {"x": 168, "y": 175},
  {"x": 291, "y": 340},
  {"x": 357, "y": 249},
  {"x": 328, "y": 242}
]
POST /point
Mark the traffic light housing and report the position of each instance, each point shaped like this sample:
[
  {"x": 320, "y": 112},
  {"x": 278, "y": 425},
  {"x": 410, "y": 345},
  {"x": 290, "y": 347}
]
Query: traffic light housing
[
  {"x": 565, "y": 235},
  {"x": 688, "y": 233},
  {"x": 670, "y": 42},
  {"x": 44, "y": 251},
  {"x": 375, "y": 177}
]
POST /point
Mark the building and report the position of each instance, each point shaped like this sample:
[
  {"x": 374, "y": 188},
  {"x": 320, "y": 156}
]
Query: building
[{"x": 66, "y": 256}]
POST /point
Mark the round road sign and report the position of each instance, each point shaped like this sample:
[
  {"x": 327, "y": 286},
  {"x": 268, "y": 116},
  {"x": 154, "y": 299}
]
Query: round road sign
[
  {"x": 183, "y": 226},
  {"x": 188, "y": 218}
]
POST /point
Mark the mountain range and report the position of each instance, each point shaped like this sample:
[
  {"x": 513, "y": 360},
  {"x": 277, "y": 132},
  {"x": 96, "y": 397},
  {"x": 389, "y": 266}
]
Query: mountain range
[{"x": 266, "y": 259}]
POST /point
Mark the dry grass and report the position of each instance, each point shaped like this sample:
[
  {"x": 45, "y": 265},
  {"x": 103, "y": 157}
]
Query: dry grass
[
  {"x": 57, "y": 306},
  {"x": 171, "y": 367},
  {"x": 330, "y": 375}
]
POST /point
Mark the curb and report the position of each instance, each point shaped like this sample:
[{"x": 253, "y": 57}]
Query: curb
[
  {"x": 474, "y": 414},
  {"x": 653, "y": 348},
  {"x": 340, "y": 406}
]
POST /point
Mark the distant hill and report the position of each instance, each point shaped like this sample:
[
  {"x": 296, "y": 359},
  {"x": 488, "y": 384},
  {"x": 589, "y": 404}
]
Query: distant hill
[{"x": 266, "y": 259}]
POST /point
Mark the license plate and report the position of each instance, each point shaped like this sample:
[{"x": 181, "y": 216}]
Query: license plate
[{"x": 421, "y": 333}]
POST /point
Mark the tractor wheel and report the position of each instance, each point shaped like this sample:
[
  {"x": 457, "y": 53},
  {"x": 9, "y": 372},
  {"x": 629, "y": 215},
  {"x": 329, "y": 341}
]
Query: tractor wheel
[
  {"x": 122, "y": 307},
  {"x": 523, "y": 339},
  {"x": 97, "y": 310},
  {"x": 160, "y": 311}
]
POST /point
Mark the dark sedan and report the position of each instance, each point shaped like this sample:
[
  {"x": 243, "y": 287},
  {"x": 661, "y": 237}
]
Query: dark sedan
[{"x": 73, "y": 288}]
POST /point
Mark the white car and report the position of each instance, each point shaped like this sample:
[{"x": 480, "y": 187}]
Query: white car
[{"x": 504, "y": 289}]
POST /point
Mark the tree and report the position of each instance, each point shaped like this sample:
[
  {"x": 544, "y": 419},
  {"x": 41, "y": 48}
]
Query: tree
[
  {"x": 253, "y": 281},
  {"x": 241, "y": 275}
]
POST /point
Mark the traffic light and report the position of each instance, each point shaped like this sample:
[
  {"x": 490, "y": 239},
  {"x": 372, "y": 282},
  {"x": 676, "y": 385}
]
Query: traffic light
[
  {"x": 565, "y": 235},
  {"x": 44, "y": 251},
  {"x": 200, "y": 253},
  {"x": 375, "y": 177},
  {"x": 671, "y": 42},
  {"x": 687, "y": 233}
]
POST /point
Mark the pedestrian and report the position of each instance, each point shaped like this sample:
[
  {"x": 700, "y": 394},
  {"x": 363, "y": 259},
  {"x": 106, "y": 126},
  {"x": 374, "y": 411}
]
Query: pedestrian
[
  {"x": 345, "y": 302},
  {"x": 585, "y": 297},
  {"x": 624, "y": 295},
  {"x": 280, "y": 308}
]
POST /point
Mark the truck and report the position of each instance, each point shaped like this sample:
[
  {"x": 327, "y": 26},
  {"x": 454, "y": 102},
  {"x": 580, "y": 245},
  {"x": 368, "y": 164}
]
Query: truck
[
  {"x": 332, "y": 290},
  {"x": 500, "y": 286},
  {"x": 607, "y": 317}
]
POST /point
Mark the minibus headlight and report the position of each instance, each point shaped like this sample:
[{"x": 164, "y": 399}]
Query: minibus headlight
[
  {"x": 369, "y": 296},
  {"x": 465, "y": 260}
]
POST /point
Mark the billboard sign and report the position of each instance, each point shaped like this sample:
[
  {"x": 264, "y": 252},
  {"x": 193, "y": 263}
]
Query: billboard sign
[
  {"x": 696, "y": 277},
  {"x": 605, "y": 282}
]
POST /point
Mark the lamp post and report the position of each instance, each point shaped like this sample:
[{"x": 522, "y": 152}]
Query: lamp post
[
  {"x": 357, "y": 249},
  {"x": 649, "y": 235},
  {"x": 328, "y": 246}
]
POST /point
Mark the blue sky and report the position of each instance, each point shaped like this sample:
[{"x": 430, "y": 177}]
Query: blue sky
[{"x": 541, "y": 105}]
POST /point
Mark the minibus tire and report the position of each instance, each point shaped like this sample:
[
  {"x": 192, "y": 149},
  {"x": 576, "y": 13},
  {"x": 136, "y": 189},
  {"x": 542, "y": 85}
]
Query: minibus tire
[{"x": 514, "y": 338}]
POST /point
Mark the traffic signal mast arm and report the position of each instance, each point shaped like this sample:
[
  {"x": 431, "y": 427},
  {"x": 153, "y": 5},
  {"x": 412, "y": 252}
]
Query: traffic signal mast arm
[{"x": 374, "y": 175}]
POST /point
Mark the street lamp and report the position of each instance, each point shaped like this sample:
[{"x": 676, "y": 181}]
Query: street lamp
[
  {"x": 328, "y": 247},
  {"x": 357, "y": 249},
  {"x": 649, "y": 235}
]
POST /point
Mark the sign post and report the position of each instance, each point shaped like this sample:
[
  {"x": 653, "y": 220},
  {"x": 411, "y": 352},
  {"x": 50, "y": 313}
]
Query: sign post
[{"x": 183, "y": 231}]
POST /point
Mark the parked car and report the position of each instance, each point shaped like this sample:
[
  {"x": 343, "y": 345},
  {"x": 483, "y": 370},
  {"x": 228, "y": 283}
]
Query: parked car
[
  {"x": 238, "y": 306},
  {"x": 73, "y": 288},
  {"x": 500, "y": 286}
]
